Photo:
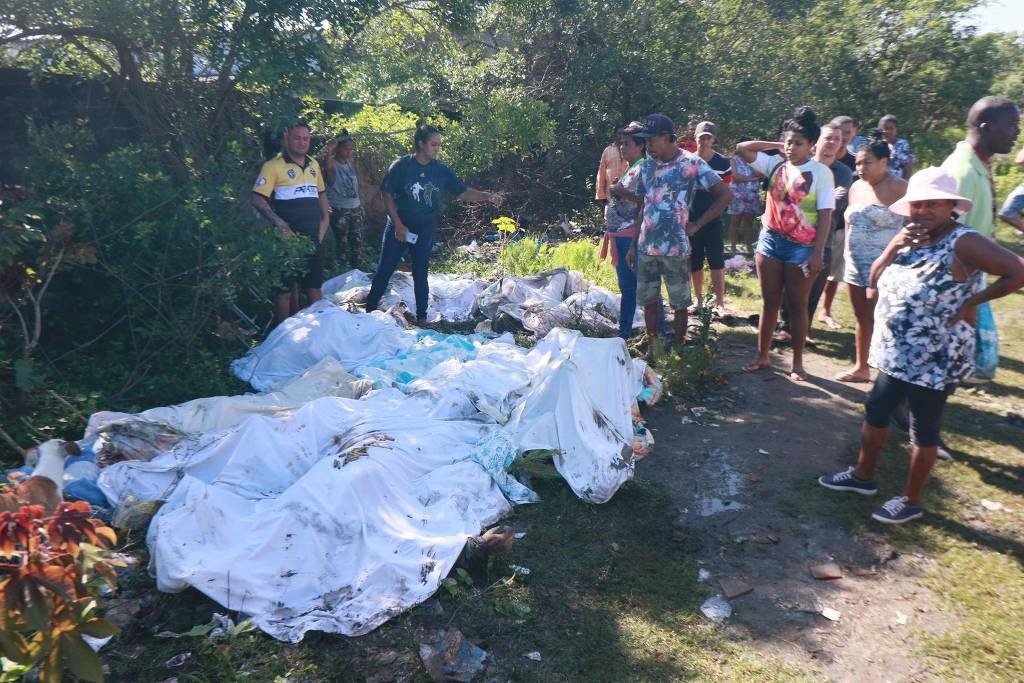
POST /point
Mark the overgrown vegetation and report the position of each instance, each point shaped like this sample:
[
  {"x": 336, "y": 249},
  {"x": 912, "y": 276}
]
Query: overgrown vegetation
[
  {"x": 528, "y": 256},
  {"x": 692, "y": 370}
]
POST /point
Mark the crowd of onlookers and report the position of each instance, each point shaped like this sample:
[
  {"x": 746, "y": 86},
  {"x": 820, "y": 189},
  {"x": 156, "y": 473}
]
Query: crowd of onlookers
[
  {"x": 833, "y": 205},
  {"x": 913, "y": 248}
]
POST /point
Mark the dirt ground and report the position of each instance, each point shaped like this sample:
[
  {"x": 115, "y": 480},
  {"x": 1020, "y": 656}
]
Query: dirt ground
[{"x": 740, "y": 474}]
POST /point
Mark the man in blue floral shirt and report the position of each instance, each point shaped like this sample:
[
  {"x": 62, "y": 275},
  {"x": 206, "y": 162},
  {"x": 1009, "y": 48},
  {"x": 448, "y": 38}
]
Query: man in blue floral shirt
[{"x": 669, "y": 178}]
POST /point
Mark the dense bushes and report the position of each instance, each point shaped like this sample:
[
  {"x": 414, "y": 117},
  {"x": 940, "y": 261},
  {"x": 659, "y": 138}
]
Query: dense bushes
[{"x": 136, "y": 279}]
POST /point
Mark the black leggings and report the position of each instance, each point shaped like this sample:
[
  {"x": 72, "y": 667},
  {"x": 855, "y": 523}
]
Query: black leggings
[{"x": 925, "y": 407}]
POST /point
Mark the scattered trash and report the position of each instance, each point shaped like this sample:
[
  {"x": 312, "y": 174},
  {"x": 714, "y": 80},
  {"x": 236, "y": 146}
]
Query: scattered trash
[
  {"x": 520, "y": 535},
  {"x": 219, "y": 626},
  {"x": 734, "y": 588},
  {"x": 766, "y": 539},
  {"x": 827, "y": 571},
  {"x": 737, "y": 263},
  {"x": 716, "y": 608},
  {"x": 686, "y": 420},
  {"x": 135, "y": 515},
  {"x": 740, "y": 538},
  {"x": 615, "y": 547},
  {"x": 763, "y": 451},
  {"x": 992, "y": 505},
  {"x": 829, "y": 613},
  {"x": 471, "y": 249},
  {"x": 516, "y": 569},
  {"x": 450, "y": 657},
  {"x": 703, "y": 575},
  {"x": 178, "y": 660},
  {"x": 697, "y": 412},
  {"x": 533, "y": 656},
  {"x": 120, "y": 612},
  {"x": 901, "y": 619},
  {"x": 96, "y": 643}
]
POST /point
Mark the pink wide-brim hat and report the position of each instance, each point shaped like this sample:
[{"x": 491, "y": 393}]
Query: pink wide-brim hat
[{"x": 931, "y": 183}]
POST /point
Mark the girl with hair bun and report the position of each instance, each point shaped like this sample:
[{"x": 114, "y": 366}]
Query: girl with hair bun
[
  {"x": 413, "y": 188},
  {"x": 796, "y": 223},
  {"x": 870, "y": 226}
]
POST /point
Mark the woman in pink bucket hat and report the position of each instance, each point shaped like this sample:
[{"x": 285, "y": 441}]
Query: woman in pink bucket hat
[{"x": 930, "y": 279}]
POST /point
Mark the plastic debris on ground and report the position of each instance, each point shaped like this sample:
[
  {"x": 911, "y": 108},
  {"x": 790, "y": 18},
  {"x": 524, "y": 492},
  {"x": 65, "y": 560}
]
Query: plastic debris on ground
[
  {"x": 739, "y": 264},
  {"x": 716, "y": 608},
  {"x": 449, "y": 656},
  {"x": 829, "y": 613},
  {"x": 555, "y": 298}
]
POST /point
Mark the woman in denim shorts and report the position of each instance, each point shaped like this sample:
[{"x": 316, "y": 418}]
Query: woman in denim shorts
[{"x": 796, "y": 223}]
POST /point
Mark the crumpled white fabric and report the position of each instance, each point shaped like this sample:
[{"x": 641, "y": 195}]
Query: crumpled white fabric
[
  {"x": 213, "y": 413},
  {"x": 334, "y": 519},
  {"x": 341, "y": 513},
  {"x": 452, "y": 297},
  {"x": 314, "y": 333},
  {"x": 580, "y": 405}
]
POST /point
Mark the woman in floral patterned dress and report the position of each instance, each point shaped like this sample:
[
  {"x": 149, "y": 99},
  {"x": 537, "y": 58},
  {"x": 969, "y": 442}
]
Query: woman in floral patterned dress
[{"x": 930, "y": 280}]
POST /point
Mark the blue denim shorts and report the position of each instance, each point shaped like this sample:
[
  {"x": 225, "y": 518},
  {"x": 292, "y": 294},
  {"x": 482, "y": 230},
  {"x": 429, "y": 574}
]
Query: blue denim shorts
[{"x": 779, "y": 247}]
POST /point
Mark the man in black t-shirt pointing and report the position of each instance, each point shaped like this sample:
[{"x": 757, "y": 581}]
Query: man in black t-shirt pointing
[{"x": 708, "y": 243}]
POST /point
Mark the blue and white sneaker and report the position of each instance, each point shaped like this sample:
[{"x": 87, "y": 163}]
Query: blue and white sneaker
[
  {"x": 897, "y": 511},
  {"x": 845, "y": 481}
]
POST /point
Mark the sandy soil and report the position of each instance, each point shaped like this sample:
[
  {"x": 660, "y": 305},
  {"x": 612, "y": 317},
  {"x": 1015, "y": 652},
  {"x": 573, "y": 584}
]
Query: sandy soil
[{"x": 738, "y": 487}]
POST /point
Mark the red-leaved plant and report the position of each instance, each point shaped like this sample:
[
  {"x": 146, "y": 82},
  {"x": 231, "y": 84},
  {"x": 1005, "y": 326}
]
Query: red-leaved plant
[{"x": 51, "y": 572}]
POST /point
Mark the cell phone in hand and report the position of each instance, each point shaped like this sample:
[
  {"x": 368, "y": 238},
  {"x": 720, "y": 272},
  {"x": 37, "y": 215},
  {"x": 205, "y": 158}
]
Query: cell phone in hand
[{"x": 411, "y": 237}]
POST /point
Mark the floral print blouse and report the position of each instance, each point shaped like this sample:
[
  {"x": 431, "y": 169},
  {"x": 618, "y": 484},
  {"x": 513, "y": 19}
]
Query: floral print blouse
[
  {"x": 667, "y": 189},
  {"x": 917, "y": 296},
  {"x": 899, "y": 155}
]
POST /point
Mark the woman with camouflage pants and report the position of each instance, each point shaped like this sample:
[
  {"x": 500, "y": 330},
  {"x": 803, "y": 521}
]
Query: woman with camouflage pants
[{"x": 343, "y": 196}]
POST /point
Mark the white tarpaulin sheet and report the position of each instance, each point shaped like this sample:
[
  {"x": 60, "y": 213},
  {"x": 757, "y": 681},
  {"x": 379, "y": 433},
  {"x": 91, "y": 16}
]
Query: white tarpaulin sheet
[
  {"x": 335, "y": 519},
  {"x": 201, "y": 415},
  {"x": 316, "y": 332},
  {"x": 338, "y": 513},
  {"x": 452, "y": 297}
]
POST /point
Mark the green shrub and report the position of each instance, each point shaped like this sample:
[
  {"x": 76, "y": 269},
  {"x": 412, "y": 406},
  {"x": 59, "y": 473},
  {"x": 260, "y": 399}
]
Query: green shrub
[{"x": 528, "y": 257}]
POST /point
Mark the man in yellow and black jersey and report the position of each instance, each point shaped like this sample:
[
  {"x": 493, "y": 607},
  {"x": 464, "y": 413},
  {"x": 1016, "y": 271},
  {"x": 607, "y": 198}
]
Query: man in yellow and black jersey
[{"x": 289, "y": 192}]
